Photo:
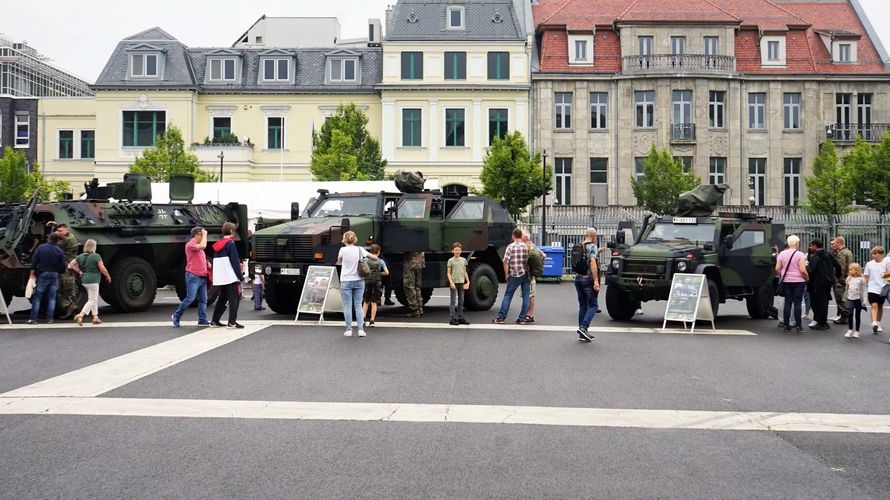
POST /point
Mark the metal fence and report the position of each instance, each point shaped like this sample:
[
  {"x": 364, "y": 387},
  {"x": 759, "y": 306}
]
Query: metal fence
[{"x": 566, "y": 226}]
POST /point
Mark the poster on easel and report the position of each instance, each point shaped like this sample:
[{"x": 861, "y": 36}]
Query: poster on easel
[
  {"x": 321, "y": 292},
  {"x": 689, "y": 301}
]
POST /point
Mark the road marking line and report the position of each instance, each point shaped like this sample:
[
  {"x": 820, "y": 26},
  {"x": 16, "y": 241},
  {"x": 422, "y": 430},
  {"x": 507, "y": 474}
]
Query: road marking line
[
  {"x": 466, "y": 414},
  {"x": 102, "y": 377}
]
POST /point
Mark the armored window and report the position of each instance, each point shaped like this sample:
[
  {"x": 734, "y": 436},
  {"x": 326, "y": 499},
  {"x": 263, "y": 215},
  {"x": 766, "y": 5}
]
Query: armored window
[
  {"x": 469, "y": 210},
  {"x": 412, "y": 208},
  {"x": 756, "y": 110},
  {"x": 717, "y": 109},
  {"x": 455, "y": 127},
  {"x": 791, "y": 102},
  {"x": 87, "y": 144},
  {"x": 141, "y": 128},
  {"x": 276, "y": 70},
  {"x": 222, "y": 70},
  {"x": 66, "y": 144},
  {"x": 563, "y": 171},
  {"x": 274, "y": 132},
  {"x": 343, "y": 70},
  {"x": 455, "y": 65},
  {"x": 563, "y": 110},
  {"x": 598, "y": 109},
  {"x": 749, "y": 238},
  {"x": 498, "y": 65},
  {"x": 22, "y": 130},
  {"x": 599, "y": 176},
  {"x": 792, "y": 181},
  {"x": 757, "y": 178},
  {"x": 412, "y": 65},
  {"x": 222, "y": 126},
  {"x": 497, "y": 124},
  {"x": 455, "y": 18},
  {"x": 144, "y": 65},
  {"x": 411, "y": 127},
  {"x": 644, "y": 44},
  {"x": 644, "y": 101}
]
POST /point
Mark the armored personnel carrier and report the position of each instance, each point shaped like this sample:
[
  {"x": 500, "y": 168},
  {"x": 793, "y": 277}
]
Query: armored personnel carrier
[
  {"x": 141, "y": 243},
  {"x": 400, "y": 222},
  {"x": 734, "y": 251}
]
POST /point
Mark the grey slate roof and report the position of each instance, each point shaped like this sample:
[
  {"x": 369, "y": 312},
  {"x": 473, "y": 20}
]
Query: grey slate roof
[
  {"x": 177, "y": 67},
  {"x": 429, "y": 17}
]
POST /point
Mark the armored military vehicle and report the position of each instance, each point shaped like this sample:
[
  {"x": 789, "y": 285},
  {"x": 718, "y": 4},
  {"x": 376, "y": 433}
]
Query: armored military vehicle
[
  {"x": 141, "y": 243},
  {"x": 734, "y": 251},
  {"x": 399, "y": 222}
]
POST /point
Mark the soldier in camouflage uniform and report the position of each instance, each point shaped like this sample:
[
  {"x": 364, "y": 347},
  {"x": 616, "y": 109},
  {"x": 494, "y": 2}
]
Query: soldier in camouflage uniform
[
  {"x": 67, "y": 285},
  {"x": 844, "y": 257},
  {"x": 411, "y": 279}
]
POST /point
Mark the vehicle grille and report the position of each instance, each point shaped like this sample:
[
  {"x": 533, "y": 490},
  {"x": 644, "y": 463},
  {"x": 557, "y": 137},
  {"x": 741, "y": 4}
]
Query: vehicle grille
[
  {"x": 645, "y": 268},
  {"x": 282, "y": 248}
]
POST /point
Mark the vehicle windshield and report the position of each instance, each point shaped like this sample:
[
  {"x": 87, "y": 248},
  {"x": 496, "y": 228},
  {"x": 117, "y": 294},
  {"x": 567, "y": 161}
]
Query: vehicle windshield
[
  {"x": 667, "y": 231},
  {"x": 351, "y": 206}
]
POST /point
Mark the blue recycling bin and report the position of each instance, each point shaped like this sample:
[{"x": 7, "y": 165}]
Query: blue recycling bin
[{"x": 553, "y": 259}]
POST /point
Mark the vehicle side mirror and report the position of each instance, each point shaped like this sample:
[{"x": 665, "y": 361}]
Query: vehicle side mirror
[
  {"x": 344, "y": 225},
  {"x": 294, "y": 210},
  {"x": 709, "y": 247},
  {"x": 619, "y": 238},
  {"x": 728, "y": 241}
]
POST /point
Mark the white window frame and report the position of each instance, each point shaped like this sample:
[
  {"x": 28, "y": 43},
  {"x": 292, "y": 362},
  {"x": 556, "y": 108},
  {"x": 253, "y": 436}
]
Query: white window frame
[
  {"x": 715, "y": 119},
  {"x": 648, "y": 114},
  {"x": 678, "y": 42},
  {"x": 767, "y": 58},
  {"x": 276, "y": 61},
  {"x": 593, "y": 201},
  {"x": 144, "y": 66},
  {"x": 597, "y": 109},
  {"x": 772, "y": 50},
  {"x": 562, "y": 181},
  {"x": 561, "y": 107},
  {"x": 840, "y": 52},
  {"x": 1, "y": 131},
  {"x": 717, "y": 170},
  {"x": 222, "y": 69},
  {"x": 759, "y": 191},
  {"x": 648, "y": 46},
  {"x": 588, "y": 42},
  {"x": 15, "y": 131},
  {"x": 791, "y": 117},
  {"x": 759, "y": 109},
  {"x": 791, "y": 182},
  {"x": 463, "y": 17},
  {"x": 682, "y": 107},
  {"x": 712, "y": 45},
  {"x": 341, "y": 61}
]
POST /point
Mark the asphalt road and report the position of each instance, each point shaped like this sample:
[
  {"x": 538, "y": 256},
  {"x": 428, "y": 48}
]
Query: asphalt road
[{"x": 108, "y": 456}]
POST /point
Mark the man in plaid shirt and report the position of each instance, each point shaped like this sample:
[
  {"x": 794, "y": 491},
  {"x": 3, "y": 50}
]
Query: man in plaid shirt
[{"x": 516, "y": 271}]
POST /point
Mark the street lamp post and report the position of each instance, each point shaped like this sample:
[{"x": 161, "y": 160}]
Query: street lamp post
[
  {"x": 221, "y": 156},
  {"x": 544, "y": 203}
]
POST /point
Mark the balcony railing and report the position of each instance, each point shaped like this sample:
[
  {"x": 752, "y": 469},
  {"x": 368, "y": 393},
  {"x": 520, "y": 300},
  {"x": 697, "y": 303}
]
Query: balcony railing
[
  {"x": 685, "y": 63},
  {"x": 682, "y": 132},
  {"x": 839, "y": 132}
]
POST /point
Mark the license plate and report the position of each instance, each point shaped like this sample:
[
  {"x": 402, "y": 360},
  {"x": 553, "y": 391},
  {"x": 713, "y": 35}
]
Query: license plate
[{"x": 288, "y": 271}]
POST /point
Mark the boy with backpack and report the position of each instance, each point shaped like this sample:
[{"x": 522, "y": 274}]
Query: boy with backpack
[
  {"x": 458, "y": 281},
  {"x": 373, "y": 284},
  {"x": 587, "y": 282},
  {"x": 535, "y": 271}
]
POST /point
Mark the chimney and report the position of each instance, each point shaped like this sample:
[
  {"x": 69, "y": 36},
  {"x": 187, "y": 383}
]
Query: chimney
[{"x": 388, "y": 18}]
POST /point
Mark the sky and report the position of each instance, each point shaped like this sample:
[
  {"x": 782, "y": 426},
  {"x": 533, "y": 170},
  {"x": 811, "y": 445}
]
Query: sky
[{"x": 80, "y": 36}]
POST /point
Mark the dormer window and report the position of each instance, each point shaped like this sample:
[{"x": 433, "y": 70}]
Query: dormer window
[
  {"x": 843, "y": 53},
  {"x": 772, "y": 50},
  {"x": 456, "y": 18},
  {"x": 343, "y": 70},
  {"x": 581, "y": 49},
  {"x": 222, "y": 69},
  {"x": 144, "y": 65},
  {"x": 276, "y": 70}
]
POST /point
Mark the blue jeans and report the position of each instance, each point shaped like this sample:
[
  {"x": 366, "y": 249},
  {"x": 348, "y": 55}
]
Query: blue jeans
[
  {"x": 587, "y": 301},
  {"x": 196, "y": 286},
  {"x": 257, "y": 296},
  {"x": 352, "y": 292},
  {"x": 794, "y": 293},
  {"x": 47, "y": 284},
  {"x": 512, "y": 285}
]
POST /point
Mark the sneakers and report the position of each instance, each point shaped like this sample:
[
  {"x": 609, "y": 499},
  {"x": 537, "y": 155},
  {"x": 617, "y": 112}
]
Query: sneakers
[
  {"x": 849, "y": 334},
  {"x": 216, "y": 324},
  {"x": 389, "y": 302},
  {"x": 172, "y": 318},
  {"x": 32, "y": 321},
  {"x": 521, "y": 322},
  {"x": 454, "y": 322},
  {"x": 50, "y": 321},
  {"x": 203, "y": 323},
  {"x": 347, "y": 333},
  {"x": 584, "y": 335},
  {"x": 361, "y": 333},
  {"x": 235, "y": 325},
  {"x": 813, "y": 323},
  {"x": 878, "y": 328},
  {"x": 498, "y": 321},
  {"x": 463, "y": 322},
  {"x": 261, "y": 308},
  {"x": 855, "y": 335},
  {"x": 370, "y": 324},
  {"x": 835, "y": 318},
  {"x": 823, "y": 326}
]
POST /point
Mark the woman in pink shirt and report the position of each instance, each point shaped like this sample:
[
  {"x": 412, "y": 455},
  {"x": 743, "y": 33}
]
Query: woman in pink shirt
[{"x": 791, "y": 265}]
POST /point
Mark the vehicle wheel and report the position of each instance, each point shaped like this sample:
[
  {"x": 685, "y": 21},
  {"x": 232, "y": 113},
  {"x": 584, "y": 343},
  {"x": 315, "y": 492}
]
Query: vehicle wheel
[
  {"x": 425, "y": 294},
  {"x": 282, "y": 299},
  {"x": 714, "y": 295},
  {"x": 133, "y": 285},
  {"x": 760, "y": 303},
  {"x": 399, "y": 292},
  {"x": 483, "y": 290},
  {"x": 619, "y": 304}
]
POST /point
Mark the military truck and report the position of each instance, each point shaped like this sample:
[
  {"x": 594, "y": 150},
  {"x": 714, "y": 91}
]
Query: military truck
[
  {"x": 399, "y": 222},
  {"x": 734, "y": 250},
  {"x": 141, "y": 243}
]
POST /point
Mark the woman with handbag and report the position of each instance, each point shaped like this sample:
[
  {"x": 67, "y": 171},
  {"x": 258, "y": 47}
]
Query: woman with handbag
[
  {"x": 353, "y": 271},
  {"x": 792, "y": 268}
]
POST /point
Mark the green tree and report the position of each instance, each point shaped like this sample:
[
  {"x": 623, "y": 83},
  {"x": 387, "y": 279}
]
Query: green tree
[
  {"x": 830, "y": 189},
  {"x": 17, "y": 184},
  {"x": 662, "y": 182},
  {"x": 352, "y": 125},
  {"x": 510, "y": 172},
  {"x": 868, "y": 168},
  {"x": 169, "y": 157}
]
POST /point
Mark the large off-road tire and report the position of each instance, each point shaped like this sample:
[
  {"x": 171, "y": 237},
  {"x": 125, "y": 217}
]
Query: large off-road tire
[
  {"x": 483, "y": 290},
  {"x": 714, "y": 295},
  {"x": 619, "y": 304},
  {"x": 133, "y": 285},
  {"x": 282, "y": 299},
  {"x": 425, "y": 294},
  {"x": 760, "y": 304}
]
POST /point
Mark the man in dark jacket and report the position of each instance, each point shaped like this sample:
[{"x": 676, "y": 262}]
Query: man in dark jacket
[
  {"x": 824, "y": 273},
  {"x": 47, "y": 263}
]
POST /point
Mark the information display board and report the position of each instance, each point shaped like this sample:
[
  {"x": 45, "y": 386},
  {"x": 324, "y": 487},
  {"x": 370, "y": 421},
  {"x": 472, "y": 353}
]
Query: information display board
[
  {"x": 689, "y": 301},
  {"x": 5, "y": 307},
  {"x": 321, "y": 292}
]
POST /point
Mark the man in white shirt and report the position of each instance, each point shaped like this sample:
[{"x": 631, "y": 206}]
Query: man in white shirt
[{"x": 876, "y": 273}]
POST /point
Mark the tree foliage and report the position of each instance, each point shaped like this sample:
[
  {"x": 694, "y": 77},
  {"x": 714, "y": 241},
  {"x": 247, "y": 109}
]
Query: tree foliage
[
  {"x": 510, "y": 172},
  {"x": 830, "y": 189},
  {"x": 345, "y": 135},
  {"x": 17, "y": 184},
  {"x": 169, "y": 157},
  {"x": 662, "y": 182},
  {"x": 868, "y": 167}
]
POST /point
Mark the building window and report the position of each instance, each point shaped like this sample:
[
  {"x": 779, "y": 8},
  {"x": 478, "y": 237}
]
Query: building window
[
  {"x": 497, "y": 124},
  {"x": 276, "y": 70},
  {"x": 843, "y": 53},
  {"x": 678, "y": 45},
  {"x": 222, "y": 125},
  {"x": 716, "y": 109},
  {"x": 455, "y": 18},
  {"x": 598, "y": 110},
  {"x": 686, "y": 161},
  {"x": 455, "y": 65},
  {"x": 682, "y": 100},
  {"x": 412, "y": 126},
  {"x": 563, "y": 170},
  {"x": 757, "y": 176},
  {"x": 792, "y": 182},
  {"x": 599, "y": 176},
  {"x": 142, "y": 128},
  {"x": 717, "y": 170},
  {"x": 412, "y": 65},
  {"x": 66, "y": 144},
  {"x": 711, "y": 45},
  {"x": 756, "y": 110},
  {"x": 498, "y": 65},
  {"x": 563, "y": 110},
  {"x": 222, "y": 70},
  {"x": 455, "y": 127},
  {"x": 144, "y": 65},
  {"x": 639, "y": 171},
  {"x": 792, "y": 110},
  {"x": 644, "y": 101},
  {"x": 22, "y": 131},
  {"x": 87, "y": 144},
  {"x": 274, "y": 132},
  {"x": 580, "y": 50},
  {"x": 863, "y": 113},
  {"x": 772, "y": 50},
  {"x": 343, "y": 69},
  {"x": 842, "y": 108},
  {"x": 644, "y": 44}
]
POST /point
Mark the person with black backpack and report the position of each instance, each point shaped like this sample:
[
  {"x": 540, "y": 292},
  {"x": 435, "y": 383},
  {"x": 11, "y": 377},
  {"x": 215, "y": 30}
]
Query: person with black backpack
[
  {"x": 373, "y": 284},
  {"x": 587, "y": 282}
]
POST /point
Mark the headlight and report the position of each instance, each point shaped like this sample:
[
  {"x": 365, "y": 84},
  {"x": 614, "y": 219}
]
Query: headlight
[
  {"x": 615, "y": 264},
  {"x": 257, "y": 269},
  {"x": 681, "y": 266},
  {"x": 268, "y": 270}
]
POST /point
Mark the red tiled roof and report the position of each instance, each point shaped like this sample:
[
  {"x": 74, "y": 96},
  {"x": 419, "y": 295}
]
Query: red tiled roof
[
  {"x": 578, "y": 15},
  {"x": 675, "y": 10},
  {"x": 797, "y": 53},
  {"x": 764, "y": 14},
  {"x": 555, "y": 53}
]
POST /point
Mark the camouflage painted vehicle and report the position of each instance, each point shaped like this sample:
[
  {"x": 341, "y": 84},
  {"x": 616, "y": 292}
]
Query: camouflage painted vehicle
[
  {"x": 398, "y": 222},
  {"x": 141, "y": 243},
  {"x": 734, "y": 251}
]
